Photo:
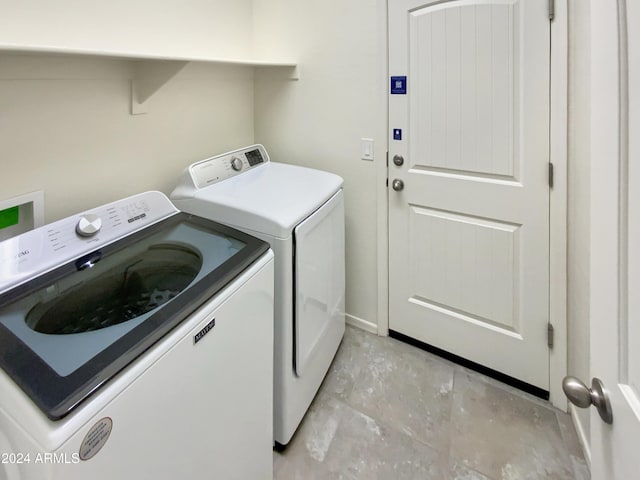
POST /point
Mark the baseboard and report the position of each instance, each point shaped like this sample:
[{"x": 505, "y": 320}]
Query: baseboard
[
  {"x": 360, "y": 323},
  {"x": 582, "y": 438}
]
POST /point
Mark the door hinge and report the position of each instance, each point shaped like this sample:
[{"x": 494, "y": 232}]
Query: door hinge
[
  {"x": 387, "y": 159},
  {"x": 387, "y": 182},
  {"x": 550, "y": 335},
  {"x": 550, "y": 175},
  {"x": 552, "y": 9}
]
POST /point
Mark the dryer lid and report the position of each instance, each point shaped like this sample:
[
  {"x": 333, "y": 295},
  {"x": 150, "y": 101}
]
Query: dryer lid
[{"x": 270, "y": 199}]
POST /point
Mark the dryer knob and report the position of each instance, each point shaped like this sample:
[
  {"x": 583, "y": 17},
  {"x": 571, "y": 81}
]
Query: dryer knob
[
  {"x": 236, "y": 164},
  {"x": 88, "y": 225}
]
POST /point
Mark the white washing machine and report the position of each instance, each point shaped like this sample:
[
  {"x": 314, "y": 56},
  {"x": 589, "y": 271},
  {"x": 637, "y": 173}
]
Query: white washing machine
[
  {"x": 135, "y": 342},
  {"x": 300, "y": 212}
]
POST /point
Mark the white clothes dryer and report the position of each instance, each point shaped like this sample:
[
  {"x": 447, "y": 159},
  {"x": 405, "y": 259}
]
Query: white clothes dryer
[
  {"x": 135, "y": 342},
  {"x": 300, "y": 212}
]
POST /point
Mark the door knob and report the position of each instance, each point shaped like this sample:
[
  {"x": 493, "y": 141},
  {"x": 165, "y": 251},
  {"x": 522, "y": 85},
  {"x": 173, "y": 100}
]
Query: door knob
[
  {"x": 582, "y": 396},
  {"x": 398, "y": 160},
  {"x": 397, "y": 184}
]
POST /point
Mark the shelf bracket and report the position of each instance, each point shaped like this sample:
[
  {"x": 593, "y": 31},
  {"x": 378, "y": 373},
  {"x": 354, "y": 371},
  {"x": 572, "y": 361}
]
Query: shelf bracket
[{"x": 149, "y": 76}]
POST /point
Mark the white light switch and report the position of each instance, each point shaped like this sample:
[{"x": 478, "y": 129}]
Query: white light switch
[{"x": 366, "y": 148}]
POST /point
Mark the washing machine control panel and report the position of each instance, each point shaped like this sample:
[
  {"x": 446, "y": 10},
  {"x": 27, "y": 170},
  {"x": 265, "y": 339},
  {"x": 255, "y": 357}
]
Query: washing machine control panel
[
  {"x": 57, "y": 243},
  {"x": 227, "y": 165}
]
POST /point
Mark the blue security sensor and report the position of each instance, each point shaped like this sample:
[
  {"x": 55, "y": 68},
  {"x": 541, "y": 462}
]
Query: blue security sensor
[
  {"x": 397, "y": 134},
  {"x": 399, "y": 85}
]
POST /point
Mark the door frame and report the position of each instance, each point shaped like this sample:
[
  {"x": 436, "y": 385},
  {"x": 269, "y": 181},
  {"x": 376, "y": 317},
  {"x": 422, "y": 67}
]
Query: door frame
[{"x": 557, "y": 200}]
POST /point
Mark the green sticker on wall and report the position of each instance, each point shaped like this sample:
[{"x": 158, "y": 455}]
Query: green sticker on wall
[{"x": 9, "y": 217}]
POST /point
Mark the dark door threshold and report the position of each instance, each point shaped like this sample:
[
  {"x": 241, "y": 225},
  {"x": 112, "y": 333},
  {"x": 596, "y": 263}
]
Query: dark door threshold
[{"x": 514, "y": 382}]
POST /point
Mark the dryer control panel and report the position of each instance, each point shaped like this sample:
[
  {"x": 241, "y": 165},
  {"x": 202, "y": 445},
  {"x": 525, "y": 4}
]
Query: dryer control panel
[
  {"x": 38, "y": 251},
  {"x": 227, "y": 165}
]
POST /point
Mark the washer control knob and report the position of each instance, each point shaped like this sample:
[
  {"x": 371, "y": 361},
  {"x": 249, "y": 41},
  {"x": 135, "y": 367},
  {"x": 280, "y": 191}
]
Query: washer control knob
[
  {"x": 88, "y": 225},
  {"x": 236, "y": 164}
]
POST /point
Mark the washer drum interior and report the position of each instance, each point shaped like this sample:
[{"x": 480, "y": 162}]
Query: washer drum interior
[{"x": 123, "y": 293}]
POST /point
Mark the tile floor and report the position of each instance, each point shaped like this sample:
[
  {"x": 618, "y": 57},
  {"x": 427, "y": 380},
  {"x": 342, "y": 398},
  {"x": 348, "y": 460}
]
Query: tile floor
[{"x": 388, "y": 410}]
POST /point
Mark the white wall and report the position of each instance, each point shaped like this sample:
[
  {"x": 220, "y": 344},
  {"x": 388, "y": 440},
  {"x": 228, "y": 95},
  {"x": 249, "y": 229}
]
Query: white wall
[
  {"x": 578, "y": 205},
  {"x": 318, "y": 121},
  {"x": 65, "y": 128}
]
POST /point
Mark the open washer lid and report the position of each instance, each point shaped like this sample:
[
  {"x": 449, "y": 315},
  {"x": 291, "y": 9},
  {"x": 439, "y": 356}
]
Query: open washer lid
[{"x": 266, "y": 197}]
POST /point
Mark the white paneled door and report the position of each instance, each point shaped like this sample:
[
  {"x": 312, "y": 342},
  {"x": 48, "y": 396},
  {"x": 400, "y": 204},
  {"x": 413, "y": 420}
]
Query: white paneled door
[
  {"x": 615, "y": 235},
  {"x": 468, "y": 180}
]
